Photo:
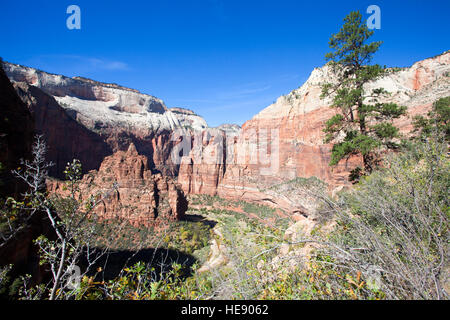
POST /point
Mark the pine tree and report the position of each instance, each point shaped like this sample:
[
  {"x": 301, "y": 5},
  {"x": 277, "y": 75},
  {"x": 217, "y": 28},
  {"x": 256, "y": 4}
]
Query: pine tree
[
  {"x": 437, "y": 120},
  {"x": 363, "y": 125}
]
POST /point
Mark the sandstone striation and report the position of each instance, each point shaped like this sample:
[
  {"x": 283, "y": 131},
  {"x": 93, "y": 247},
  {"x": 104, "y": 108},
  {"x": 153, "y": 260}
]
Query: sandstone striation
[
  {"x": 96, "y": 104},
  {"x": 118, "y": 115},
  {"x": 281, "y": 143},
  {"x": 296, "y": 121},
  {"x": 66, "y": 139},
  {"x": 126, "y": 188}
]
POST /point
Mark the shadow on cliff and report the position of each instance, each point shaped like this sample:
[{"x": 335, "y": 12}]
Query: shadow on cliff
[
  {"x": 160, "y": 259},
  {"x": 66, "y": 138},
  {"x": 199, "y": 218}
]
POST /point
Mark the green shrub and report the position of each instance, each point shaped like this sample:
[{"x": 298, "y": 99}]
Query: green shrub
[{"x": 393, "y": 227}]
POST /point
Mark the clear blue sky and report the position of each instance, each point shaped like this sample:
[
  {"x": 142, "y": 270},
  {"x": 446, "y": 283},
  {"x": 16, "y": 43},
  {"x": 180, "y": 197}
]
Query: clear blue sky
[{"x": 225, "y": 59}]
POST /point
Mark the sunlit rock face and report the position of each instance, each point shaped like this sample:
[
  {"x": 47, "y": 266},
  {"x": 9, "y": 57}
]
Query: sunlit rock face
[
  {"x": 101, "y": 105},
  {"x": 282, "y": 142},
  {"x": 297, "y": 121},
  {"x": 65, "y": 138},
  {"x": 118, "y": 115},
  {"x": 126, "y": 188}
]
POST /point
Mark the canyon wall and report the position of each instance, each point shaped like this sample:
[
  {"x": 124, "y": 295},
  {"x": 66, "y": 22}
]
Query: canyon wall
[
  {"x": 66, "y": 139},
  {"x": 295, "y": 122},
  {"x": 16, "y": 138},
  {"x": 116, "y": 116},
  {"x": 282, "y": 142},
  {"x": 124, "y": 187}
]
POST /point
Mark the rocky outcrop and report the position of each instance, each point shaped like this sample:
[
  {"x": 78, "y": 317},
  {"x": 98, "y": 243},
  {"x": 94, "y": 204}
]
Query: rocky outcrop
[
  {"x": 125, "y": 187},
  {"x": 85, "y": 92},
  {"x": 230, "y": 129},
  {"x": 204, "y": 167},
  {"x": 100, "y": 106},
  {"x": 282, "y": 142},
  {"x": 189, "y": 119}
]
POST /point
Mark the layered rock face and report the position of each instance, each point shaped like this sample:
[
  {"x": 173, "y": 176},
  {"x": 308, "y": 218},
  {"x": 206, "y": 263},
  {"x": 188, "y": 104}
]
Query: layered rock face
[
  {"x": 125, "y": 187},
  {"x": 66, "y": 139},
  {"x": 118, "y": 115},
  {"x": 300, "y": 116},
  {"x": 285, "y": 140},
  {"x": 103, "y": 125}
]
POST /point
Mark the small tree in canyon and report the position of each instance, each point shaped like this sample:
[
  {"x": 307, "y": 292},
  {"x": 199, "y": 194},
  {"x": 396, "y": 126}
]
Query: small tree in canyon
[{"x": 363, "y": 125}]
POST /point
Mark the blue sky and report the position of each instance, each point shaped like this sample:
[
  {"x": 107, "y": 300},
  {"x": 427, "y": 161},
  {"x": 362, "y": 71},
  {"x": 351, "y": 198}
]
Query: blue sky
[{"x": 224, "y": 59}]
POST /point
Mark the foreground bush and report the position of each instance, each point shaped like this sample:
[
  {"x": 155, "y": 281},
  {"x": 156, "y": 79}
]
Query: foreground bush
[{"x": 393, "y": 227}]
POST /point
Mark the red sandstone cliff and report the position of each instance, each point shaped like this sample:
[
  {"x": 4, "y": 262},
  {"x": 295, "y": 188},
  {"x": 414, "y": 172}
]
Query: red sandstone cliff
[
  {"x": 66, "y": 139},
  {"x": 115, "y": 116},
  {"x": 225, "y": 161},
  {"x": 127, "y": 189},
  {"x": 296, "y": 122}
]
